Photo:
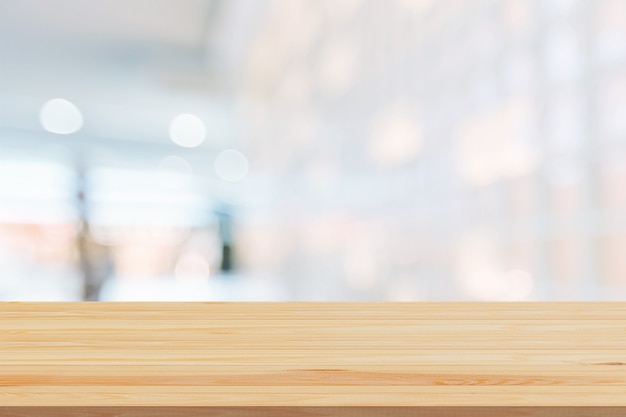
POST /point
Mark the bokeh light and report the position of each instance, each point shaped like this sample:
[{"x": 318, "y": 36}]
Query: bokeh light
[
  {"x": 231, "y": 165},
  {"x": 187, "y": 130},
  {"x": 60, "y": 116},
  {"x": 174, "y": 171}
]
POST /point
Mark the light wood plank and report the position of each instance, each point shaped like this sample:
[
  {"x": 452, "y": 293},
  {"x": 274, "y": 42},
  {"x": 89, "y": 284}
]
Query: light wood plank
[{"x": 313, "y": 359}]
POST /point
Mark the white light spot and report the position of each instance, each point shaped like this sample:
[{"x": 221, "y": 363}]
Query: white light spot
[
  {"x": 231, "y": 165},
  {"x": 174, "y": 172},
  {"x": 485, "y": 285},
  {"x": 60, "y": 116},
  {"x": 187, "y": 130},
  {"x": 478, "y": 266}
]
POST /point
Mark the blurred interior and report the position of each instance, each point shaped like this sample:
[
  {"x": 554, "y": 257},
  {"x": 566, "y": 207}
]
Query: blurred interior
[{"x": 312, "y": 150}]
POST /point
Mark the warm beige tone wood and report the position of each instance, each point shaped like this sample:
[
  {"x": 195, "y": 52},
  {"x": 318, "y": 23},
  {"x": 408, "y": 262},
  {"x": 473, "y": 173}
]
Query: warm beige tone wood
[{"x": 313, "y": 359}]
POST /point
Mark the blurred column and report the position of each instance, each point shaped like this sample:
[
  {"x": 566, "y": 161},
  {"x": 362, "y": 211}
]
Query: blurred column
[
  {"x": 93, "y": 270},
  {"x": 89, "y": 290},
  {"x": 225, "y": 224}
]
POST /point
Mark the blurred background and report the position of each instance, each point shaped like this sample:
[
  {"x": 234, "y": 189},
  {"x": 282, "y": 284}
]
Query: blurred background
[{"x": 312, "y": 150}]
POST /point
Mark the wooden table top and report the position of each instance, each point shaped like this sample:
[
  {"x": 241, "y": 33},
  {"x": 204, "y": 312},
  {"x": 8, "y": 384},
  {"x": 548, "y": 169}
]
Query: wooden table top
[{"x": 315, "y": 358}]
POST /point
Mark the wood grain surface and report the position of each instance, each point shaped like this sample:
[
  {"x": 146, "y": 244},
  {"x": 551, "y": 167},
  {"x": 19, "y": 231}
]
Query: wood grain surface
[{"x": 313, "y": 359}]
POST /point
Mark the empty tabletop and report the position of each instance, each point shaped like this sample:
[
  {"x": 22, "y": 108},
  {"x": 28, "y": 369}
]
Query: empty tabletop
[{"x": 313, "y": 359}]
